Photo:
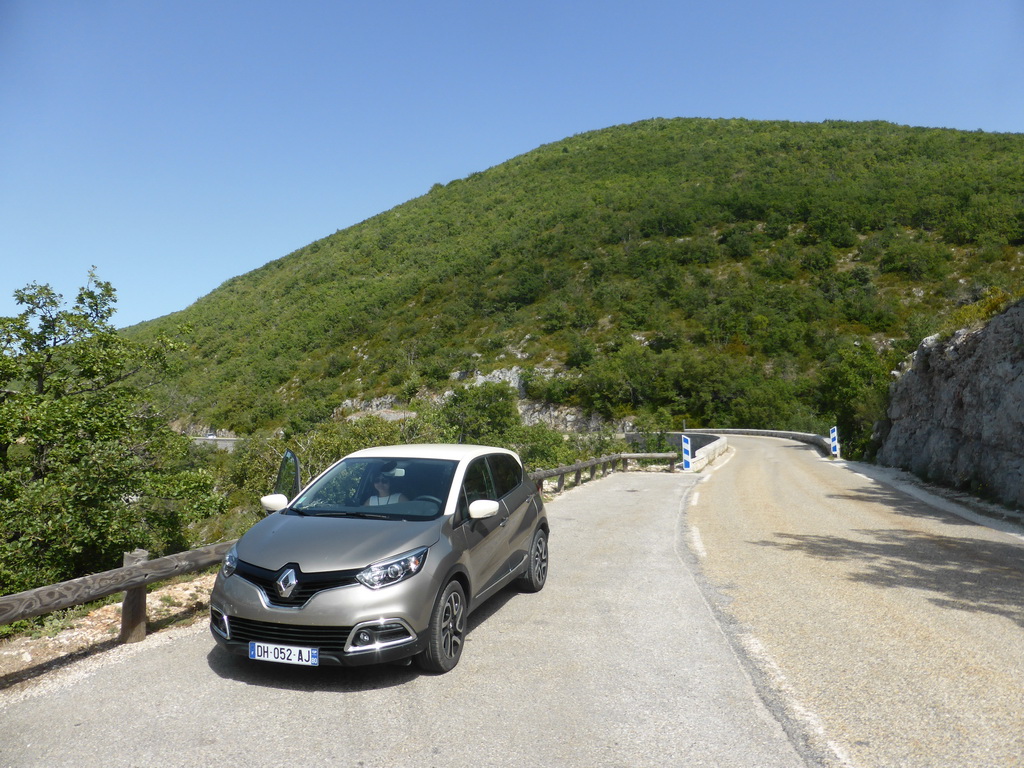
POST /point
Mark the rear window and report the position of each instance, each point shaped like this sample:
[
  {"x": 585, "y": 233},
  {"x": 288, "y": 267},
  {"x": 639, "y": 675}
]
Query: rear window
[{"x": 507, "y": 473}]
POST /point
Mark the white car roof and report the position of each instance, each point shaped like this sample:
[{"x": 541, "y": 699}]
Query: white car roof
[{"x": 452, "y": 451}]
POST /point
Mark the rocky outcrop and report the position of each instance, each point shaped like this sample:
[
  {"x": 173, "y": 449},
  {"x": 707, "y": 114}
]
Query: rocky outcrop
[
  {"x": 956, "y": 413},
  {"x": 566, "y": 418},
  {"x": 560, "y": 417}
]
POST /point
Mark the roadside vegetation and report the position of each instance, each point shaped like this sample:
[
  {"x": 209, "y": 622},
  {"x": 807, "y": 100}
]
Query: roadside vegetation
[{"x": 89, "y": 469}]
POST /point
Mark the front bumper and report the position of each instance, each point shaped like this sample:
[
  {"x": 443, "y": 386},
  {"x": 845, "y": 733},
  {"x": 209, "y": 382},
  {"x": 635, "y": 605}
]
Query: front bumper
[
  {"x": 349, "y": 625},
  {"x": 390, "y": 640}
]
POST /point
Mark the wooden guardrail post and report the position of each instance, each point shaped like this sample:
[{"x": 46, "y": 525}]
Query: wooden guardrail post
[{"x": 133, "y": 609}]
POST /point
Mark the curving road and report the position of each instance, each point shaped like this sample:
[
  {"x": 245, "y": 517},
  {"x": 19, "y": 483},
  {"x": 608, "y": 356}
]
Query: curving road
[
  {"x": 892, "y": 629},
  {"x": 781, "y": 610}
]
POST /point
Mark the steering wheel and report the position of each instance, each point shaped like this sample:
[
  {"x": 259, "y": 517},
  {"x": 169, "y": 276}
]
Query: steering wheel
[{"x": 433, "y": 499}]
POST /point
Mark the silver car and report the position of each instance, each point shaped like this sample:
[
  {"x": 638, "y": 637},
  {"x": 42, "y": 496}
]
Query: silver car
[{"x": 381, "y": 558}]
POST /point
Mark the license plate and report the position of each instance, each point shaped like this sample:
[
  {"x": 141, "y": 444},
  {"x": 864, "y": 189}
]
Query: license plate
[{"x": 284, "y": 654}]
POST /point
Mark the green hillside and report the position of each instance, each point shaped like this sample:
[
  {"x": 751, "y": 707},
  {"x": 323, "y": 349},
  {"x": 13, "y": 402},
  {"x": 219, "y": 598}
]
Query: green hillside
[{"x": 717, "y": 272}]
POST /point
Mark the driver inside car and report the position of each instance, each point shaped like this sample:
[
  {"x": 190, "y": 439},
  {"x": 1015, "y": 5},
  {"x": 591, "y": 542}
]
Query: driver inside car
[{"x": 384, "y": 484}]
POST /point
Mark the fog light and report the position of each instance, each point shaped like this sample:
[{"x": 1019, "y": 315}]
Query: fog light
[
  {"x": 374, "y": 636},
  {"x": 363, "y": 637}
]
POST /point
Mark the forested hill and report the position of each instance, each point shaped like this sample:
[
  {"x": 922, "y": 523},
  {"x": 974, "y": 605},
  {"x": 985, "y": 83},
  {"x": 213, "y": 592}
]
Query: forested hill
[{"x": 721, "y": 272}]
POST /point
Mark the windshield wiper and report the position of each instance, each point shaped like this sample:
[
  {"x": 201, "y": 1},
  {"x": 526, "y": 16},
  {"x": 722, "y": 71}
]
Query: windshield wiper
[{"x": 352, "y": 513}]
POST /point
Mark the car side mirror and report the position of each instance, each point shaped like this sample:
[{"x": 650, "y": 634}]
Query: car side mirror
[
  {"x": 482, "y": 508},
  {"x": 275, "y": 502}
]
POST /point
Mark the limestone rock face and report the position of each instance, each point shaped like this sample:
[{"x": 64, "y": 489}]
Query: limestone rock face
[{"x": 956, "y": 414}]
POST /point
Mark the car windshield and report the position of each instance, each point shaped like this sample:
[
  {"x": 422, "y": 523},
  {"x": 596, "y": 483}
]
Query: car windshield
[{"x": 380, "y": 488}]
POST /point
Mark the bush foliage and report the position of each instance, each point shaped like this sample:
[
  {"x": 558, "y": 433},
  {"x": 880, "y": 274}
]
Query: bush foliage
[{"x": 88, "y": 469}]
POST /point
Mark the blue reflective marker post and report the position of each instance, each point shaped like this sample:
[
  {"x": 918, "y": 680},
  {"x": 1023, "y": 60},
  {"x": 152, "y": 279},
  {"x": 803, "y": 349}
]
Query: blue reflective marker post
[
  {"x": 834, "y": 436},
  {"x": 686, "y": 453}
]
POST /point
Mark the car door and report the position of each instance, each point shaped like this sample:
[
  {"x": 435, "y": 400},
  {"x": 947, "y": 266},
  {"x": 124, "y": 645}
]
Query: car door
[
  {"x": 485, "y": 539},
  {"x": 289, "y": 477},
  {"x": 515, "y": 496}
]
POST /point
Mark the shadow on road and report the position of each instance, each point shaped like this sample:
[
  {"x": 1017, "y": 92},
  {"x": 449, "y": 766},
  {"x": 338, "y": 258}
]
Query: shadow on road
[
  {"x": 295, "y": 678},
  {"x": 963, "y": 574},
  {"x": 337, "y": 679},
  {"x": 33, "y": 671},
  {"x": 900, "y": 503}
]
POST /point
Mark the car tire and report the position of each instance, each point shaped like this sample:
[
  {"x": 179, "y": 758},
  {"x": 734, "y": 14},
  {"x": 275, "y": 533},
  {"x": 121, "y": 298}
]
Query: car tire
[
  {"x": 537, "y": 564},
  {"x": 447, "y": 631}
]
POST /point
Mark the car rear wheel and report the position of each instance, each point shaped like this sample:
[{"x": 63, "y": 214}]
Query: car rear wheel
[
  {"x": 447, "y": 631},
  {"x": 537, "y": 567}
]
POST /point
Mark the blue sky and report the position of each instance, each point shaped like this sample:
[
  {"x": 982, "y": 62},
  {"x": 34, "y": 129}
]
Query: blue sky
[{"x": 174, "y": 144}]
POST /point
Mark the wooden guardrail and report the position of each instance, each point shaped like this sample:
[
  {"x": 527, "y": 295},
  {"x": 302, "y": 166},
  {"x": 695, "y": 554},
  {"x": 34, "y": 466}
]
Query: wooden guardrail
[
  {"x": 129, "y": 579},
  {"x": 138, "y": 571}
]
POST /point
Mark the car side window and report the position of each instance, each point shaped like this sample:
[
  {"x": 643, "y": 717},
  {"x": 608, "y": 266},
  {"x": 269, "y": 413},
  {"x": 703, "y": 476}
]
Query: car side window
[
  {"x": 477, "y": 484},
  {"x": 507, "y": 473}
]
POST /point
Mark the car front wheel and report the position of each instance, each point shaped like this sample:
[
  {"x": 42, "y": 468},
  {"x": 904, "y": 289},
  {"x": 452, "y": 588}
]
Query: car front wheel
[
  {"x": 447, "y": 631},
  {"x": 537, "y": 567}
]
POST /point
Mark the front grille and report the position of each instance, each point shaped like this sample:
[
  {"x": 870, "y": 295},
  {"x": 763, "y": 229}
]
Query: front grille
[
  {"x": 308, "y": 583},
  {"x": 330, "y": 640}
]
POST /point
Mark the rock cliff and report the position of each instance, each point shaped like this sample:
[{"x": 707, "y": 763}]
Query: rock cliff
[{"x": 956, "y": 412}]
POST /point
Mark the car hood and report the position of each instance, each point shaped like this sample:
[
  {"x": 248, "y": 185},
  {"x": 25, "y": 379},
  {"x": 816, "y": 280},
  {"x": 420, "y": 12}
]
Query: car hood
[{"x": 332, "y": 543}]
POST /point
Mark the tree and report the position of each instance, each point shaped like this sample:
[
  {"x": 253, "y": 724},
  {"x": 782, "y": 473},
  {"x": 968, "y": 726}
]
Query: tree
[
  {"x": 852, "y": 389},
  {"x": 88, "y": 470},
  {"x": 483, "y": 414}
]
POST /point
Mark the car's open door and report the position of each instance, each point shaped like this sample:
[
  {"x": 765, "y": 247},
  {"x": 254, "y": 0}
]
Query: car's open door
[{"x": 289, "y": 479}]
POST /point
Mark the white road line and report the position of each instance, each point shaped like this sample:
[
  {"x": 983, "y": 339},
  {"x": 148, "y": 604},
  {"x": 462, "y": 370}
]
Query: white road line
[
  {"x": 706, "y": 474},
  {"x": 696, "y": 543},
  {"x": 757, "y": 651}
]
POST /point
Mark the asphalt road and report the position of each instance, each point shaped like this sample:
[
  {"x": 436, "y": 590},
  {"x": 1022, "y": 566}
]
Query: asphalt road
[
  {"x": 619, "y": 661},
  {"x": 779, "y": 610},
  {"x": 892, "y": 629}
]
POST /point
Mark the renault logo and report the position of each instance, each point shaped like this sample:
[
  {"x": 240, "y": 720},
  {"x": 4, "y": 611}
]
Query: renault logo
[{"x": 286, "y": 583}]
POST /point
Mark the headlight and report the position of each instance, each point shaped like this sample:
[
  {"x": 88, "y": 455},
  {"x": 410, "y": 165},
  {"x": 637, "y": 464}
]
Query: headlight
[
  {"x": 230, "y": 561},
  {"x": 391, "y": 571}
]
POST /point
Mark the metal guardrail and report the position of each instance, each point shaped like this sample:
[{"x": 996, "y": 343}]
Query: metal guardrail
[
  {"x": 823, "y": 444},
  {"x": 605, "y": 462},
  {"x": 138, "y": 571}
]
